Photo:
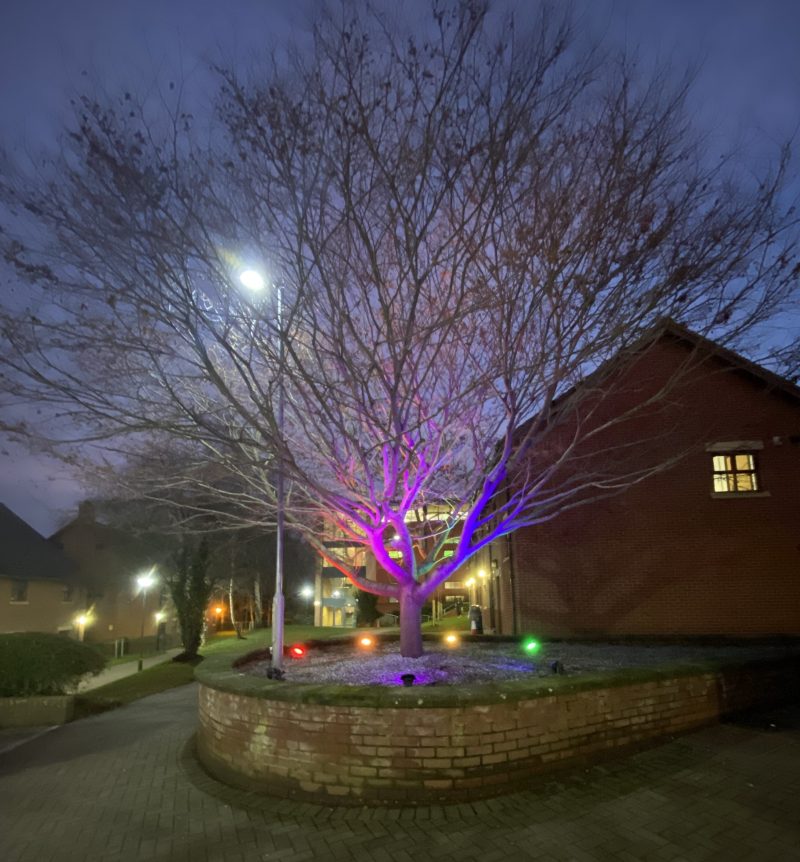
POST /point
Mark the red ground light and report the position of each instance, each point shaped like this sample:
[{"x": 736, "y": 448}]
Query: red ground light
[{"x": 297, "y": 651}]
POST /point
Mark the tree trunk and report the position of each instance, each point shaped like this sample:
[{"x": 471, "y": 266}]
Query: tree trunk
[
  {"x": 410, "y": 625},
  {"x": 259, "y": 605},
  {"x": 237, "y": 626}
]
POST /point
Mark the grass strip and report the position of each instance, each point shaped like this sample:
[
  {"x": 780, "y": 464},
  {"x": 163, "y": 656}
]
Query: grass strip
[{"x": 156, "y": 679}]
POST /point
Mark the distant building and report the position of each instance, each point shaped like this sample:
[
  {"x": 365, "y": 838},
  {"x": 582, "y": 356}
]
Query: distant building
[
  {"x": 335, "y": 595},
  {"x": 40, "y": 590},
  {"x": 109, "y": 561},
  {"x": 710, "y": 546}
]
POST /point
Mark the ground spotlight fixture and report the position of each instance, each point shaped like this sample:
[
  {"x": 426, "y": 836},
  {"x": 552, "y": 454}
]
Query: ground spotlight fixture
[
  {"x": 557, "y": 668},
  {"x": 407, "y": 679},
  {"x": 297, "y": 651},
  {"x": 531, "y": 646},
  {"x": 451, "y": 640},
  {"x": 366, "y": 642}
]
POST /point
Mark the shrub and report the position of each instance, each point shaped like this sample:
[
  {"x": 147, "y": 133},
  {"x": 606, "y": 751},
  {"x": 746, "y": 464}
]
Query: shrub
[
  {"x": 34, "y": 663},
  {"x": 366, "y": 608}
]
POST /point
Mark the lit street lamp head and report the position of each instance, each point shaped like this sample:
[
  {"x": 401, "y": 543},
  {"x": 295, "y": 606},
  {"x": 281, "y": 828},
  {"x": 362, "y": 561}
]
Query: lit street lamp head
[
  {"x": 252, "y": 280},
  {"x": 144, "y": 582}
]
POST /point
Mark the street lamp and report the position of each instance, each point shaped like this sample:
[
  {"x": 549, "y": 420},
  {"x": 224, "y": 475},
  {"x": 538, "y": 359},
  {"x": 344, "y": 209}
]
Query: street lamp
[
  {"x": 254, "y": 281},
  {"x": 144, "y": 582},
  {"x": 307, "y": 593}
]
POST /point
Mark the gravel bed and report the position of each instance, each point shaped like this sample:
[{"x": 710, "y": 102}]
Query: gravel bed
[{"x": 468, "y": 663}]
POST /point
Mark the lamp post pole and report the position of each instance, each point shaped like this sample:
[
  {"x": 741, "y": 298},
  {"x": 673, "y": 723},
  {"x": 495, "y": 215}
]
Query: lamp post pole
[
  {"x": 141, "y": 634},
  {"x": 253, "y": 280},
  {"x": 278, "y": 600},
  {"x": 144, "y": 582}
]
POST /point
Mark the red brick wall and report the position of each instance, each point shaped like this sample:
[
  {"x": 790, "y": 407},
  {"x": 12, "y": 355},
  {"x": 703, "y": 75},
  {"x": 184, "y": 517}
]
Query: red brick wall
[
  {"x": 665, "y": 557},
  {"x": 367, "y": 755}
]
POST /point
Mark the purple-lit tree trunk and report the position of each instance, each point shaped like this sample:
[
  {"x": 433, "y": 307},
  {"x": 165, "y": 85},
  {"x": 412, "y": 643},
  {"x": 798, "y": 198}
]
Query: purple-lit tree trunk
[
  {"x": 410, "y": 624},
  {"x": 467, "y": 218}
]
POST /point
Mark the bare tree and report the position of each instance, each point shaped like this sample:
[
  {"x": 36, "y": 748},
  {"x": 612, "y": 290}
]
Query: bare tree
[{"x": 464, "y": 221}]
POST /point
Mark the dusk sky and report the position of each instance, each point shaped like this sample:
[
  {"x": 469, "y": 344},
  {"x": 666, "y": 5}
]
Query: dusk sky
[{"x": 747, "y": 95}]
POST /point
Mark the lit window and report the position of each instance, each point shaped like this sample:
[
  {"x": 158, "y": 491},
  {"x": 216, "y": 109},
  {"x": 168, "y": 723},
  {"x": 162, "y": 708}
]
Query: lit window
[
  {"x": 19, "y": 591},
  {"x": 735, "y": 473}
]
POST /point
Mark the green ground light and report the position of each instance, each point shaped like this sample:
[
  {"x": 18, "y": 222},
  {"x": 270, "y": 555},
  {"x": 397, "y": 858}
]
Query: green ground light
[{"x": 531, "y": 646}]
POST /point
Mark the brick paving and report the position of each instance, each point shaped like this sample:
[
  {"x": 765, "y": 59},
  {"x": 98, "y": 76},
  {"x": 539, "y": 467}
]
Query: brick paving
[{"x": 124, "y": 786}]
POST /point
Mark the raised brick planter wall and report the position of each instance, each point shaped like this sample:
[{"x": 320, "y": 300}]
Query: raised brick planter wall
[
  {"x": 35, "y": 711},
  {"x": 416, "y": 753}
]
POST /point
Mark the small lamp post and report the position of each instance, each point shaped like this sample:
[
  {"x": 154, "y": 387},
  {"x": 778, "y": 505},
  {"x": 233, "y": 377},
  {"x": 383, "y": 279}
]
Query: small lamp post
[
  {"x": 307, "y": 593},
  {"x": 80, "y": 622},
  {"x": 471, "y": 588},
  {"x": 144, "y": 582}
]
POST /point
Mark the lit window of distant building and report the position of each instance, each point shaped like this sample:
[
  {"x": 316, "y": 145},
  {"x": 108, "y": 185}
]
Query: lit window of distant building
[{"x": 735, "y": 473}]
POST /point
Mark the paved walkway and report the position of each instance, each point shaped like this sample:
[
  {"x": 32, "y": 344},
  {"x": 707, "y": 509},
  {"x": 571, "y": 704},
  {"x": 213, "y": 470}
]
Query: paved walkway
[
  {"x": 11, "y": 737},
  {"x": 123, "y": 786}
]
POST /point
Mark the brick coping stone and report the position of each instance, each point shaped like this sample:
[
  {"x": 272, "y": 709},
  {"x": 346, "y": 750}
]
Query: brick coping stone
[{"x": 370, "y": 745}]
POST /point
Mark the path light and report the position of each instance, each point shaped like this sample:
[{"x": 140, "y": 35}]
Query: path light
[
  {"x": 407, "y": 679},
  {"x": 307, "y": 592},
  {"x": 80, "y": 622},
  {"x": 160, "y": 616},
  {"x": 451, "y": 640},
  {"x": 297, "y": 651},
  {"x": 366, "y": 642}
]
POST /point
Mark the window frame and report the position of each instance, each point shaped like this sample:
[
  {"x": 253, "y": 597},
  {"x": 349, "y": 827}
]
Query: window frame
[
  {"x": 24, "y": 585},
  {"x": 732, "y": 471}
]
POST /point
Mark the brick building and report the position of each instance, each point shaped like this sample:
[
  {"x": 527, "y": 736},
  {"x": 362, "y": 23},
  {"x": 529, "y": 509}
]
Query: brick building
[
  {"x": 108, "y": 560},
  {"x": 40, "y": 590},
  {"x": 709, "y": 546}
]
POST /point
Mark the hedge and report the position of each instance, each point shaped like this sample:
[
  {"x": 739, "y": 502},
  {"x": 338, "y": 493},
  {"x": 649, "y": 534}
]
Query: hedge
[{"x": 34, "y": 663}]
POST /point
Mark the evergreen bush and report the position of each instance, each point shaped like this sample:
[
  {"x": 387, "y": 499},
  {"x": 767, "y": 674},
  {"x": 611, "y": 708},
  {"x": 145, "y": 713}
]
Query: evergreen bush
[{"x": 35, "y": 663}]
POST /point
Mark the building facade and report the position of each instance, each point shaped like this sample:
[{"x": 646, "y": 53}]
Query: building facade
[
  {"x": 708, "y": 547},
  {"x": 109, "y": 561},
  {"x": 40, "y": 590}
]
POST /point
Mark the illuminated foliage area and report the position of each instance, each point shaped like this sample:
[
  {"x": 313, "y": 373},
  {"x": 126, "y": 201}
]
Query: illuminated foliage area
[{"x": 464, "y": 220}]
